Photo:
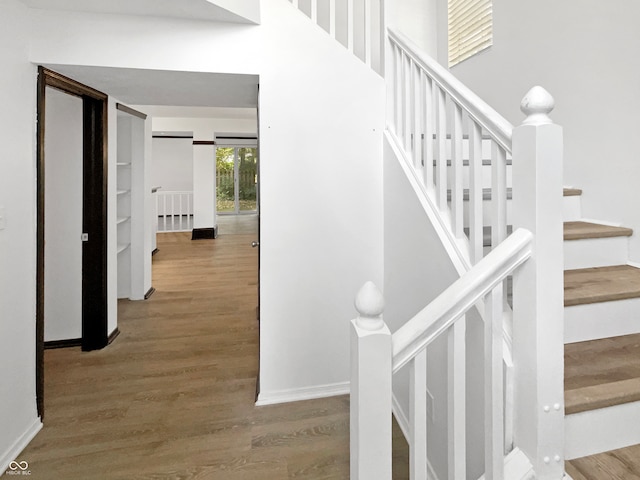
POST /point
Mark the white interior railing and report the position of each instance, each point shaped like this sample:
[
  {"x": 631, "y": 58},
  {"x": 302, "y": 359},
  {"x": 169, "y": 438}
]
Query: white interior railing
[
  {"x": 435, "y": 118},
  {"x": 461, "y": 152},
  {"x": 174, "y": 211},
  {"x": 357, "y": 24},
  {"x": 440, "y": 125},
  {"x": 407, "y": 346}
]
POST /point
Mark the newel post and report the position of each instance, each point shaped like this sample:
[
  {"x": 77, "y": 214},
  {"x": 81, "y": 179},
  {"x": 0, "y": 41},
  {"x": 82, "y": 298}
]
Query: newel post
[
  {"x": 538, "y": 295},
  {"x": 370, "y": 388}
]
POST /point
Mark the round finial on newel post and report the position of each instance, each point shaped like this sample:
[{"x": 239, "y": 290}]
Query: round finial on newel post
[
  {"x": 536, "y": 105},
  {"x": 370, "y": 305}
]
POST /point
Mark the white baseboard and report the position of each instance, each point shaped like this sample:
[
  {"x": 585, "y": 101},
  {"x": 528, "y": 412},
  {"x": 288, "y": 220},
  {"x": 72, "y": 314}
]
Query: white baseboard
[
  {"x": 305, "y": 393},
  {"x": 403, "y": 422},
  {"x": 601, "y": 430},
  {"x": 19, "y": 445}
]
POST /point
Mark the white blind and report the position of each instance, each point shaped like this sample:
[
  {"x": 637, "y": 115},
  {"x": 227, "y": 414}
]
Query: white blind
[{"x": 470, "y": 28}]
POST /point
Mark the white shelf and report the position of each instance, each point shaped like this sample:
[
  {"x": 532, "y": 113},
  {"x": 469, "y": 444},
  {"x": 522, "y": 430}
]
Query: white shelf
[
  {"x": 122, "y": 220},
  {"x": 122, "y": 164},
  {"x": 122, "y": 192},
  {"x": 122, "y": 247}
]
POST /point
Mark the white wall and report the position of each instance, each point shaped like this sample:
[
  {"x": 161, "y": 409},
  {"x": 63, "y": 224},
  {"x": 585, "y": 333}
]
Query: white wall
[
  {"x": 63, "y": 216},
  {"x": 18, "y": 417},
  {"x": 321, "y": 119},
  {"x": 172, "y": 164},
  {"x": 583, "y": 52},
  {"x": 416, "y": 269},
  {"x": 417, "y": 19}
]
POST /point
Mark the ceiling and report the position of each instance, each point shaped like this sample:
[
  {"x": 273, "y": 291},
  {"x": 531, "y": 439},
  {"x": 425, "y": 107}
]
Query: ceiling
[
  {"x": 191, "y": 9},
  {"x": 171, "y": 88}
]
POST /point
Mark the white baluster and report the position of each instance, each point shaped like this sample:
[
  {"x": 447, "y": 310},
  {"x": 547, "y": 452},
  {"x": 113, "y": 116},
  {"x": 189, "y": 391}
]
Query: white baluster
[
  {"x": 180, "y": 207},
  {"x": 407, "y": 103},
  {"x": 418, "y": 128},
  {"x": 173, "y": 212},
  {"x": 370, "y": 404},
  {"x": 538, "y": 297},
  {"x": 441, "y": 155},
  {"x": 396, "y": 89},
  {"x": 457, "y": 199},
  {"x": 456, "y": 413},
  {"x": 429, "y": 130},
  {"x": 367, "y": 33},
  {"x": 164, "y": 212},
  {"x": 295, "y": 3},
  {"x": 332, "y": 18},
  {"x": 314, "y": 11},
  {"x": 418, "y": 416},
  {"x": 350, "y": 26},
  {"x": 498, "y": 194},
  {"x": 476, "y": 224},
  {"x": 493, "y": 386}
]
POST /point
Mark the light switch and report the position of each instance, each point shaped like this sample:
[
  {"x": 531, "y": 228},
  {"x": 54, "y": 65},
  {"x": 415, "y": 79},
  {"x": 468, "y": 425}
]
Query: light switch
[{"x": 3, "y": 219}]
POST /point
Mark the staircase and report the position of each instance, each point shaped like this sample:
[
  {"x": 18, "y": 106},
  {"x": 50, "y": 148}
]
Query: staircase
[
  {"x": 602, "y": 325},
  {"x": 457, "y": 154}
]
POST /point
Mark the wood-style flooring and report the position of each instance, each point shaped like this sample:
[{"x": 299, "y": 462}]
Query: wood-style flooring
[{"x": 173, "y": 396}]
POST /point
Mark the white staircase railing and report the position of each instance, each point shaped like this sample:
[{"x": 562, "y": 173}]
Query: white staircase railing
[
  {"x": 441, "y": 125},
  {"x": 377, "y": 353},
  {"x": 174, "y": 211},
  {"x": 535, "y": 434},
  {"x": 459, "y": 150},
  {"x": 357, "y": 24}
]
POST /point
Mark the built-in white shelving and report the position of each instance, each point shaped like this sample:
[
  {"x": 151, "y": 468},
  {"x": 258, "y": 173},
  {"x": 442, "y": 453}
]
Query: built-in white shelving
[{"x": 133, "y": 258}]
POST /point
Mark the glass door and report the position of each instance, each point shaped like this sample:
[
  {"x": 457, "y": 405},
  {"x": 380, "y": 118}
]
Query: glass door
[
  {"x": 236, "y": 180},
  {"x": 247, "y": 167}
]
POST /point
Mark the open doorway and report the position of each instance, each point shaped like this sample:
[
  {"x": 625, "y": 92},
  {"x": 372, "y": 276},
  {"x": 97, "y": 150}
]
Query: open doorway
[
  {"x": 89, "y": 255},
  {"x": 236, "y": 179}
]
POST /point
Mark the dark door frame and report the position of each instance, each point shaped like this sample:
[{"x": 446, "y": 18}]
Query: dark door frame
[{"x": 94, "y": 217}]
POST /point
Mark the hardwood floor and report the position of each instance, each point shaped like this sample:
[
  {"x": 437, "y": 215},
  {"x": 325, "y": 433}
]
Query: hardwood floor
[{"x": 173, "y": 396}]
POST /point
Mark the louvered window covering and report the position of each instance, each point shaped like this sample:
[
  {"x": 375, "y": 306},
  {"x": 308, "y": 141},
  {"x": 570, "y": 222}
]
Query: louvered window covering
[{"x": 470, "y": 28}]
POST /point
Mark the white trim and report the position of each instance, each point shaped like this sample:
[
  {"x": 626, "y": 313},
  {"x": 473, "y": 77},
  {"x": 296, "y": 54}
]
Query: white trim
[
  {"x": 403, "y": 422},
  {"x": 304, "y": 393},
  {"x": 19, "y": 445},
  {"x": 601, "y": 430}
]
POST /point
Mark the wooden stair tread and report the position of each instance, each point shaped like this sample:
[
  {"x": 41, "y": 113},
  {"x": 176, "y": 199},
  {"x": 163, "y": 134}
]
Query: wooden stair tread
[
  {"x": 571, "y": 192},
  {"x": 601, "y": 284},
  {"x": 583, "y": 230},
  {"x": 601, "y": 396},
  {"x": 601, "y": 373},
  {"x": 620, "y": 464}
]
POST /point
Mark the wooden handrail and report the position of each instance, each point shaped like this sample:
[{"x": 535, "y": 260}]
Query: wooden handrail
[
  {"x": 458, "y": 298},
  {"x": 494, "y": 123}
]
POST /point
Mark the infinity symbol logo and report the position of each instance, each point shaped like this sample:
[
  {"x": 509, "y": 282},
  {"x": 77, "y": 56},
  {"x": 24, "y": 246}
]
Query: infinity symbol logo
[{"x": 18, "y": 465}]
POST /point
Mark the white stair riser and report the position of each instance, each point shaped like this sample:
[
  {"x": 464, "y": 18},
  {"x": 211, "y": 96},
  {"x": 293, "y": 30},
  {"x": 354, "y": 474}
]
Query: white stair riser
[
  {"x": 572, "y": 208},
  {"x": 601, "y": 320},
  {"x": 601, "y": 430},
  {"x": 595, "y": 252}
]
